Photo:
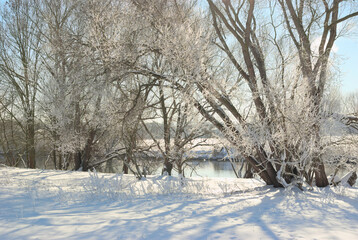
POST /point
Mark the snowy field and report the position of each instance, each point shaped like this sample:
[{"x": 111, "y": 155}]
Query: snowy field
[{"x": 38, "y": 204}]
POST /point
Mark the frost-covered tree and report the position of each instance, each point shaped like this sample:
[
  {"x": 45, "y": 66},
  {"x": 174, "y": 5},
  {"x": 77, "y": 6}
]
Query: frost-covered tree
[
  {"x": 75, "y": 85},
  {"x": 284, "y": 143},
  {"x": 114, "y": 42},
  {"x": 256, "y": 70},
  {"x": 20, "y": 69},
  {"x": 272, "y": 111},
  {"x": 350, "y": 103},
  {"x": 177, "y": 129}
]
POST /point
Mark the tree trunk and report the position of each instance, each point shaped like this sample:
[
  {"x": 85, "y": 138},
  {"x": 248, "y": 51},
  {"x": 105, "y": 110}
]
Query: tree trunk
[
  {"x": 125, "y": 168},
  {"x": 320, "y": 175},
  {"x": 30, "y": 144},
  {"x": 248, "y": 171},
  {"x": 77, "y": 130},
  {"x": 266, "y": 172},
  {"x": 127, "y": 160},
  {"x": 78, "y": 160},
  {"x": 168, "y": 166},
  {"x": 87, "y": 152},
  {"x": 54, "y": 157},
  {"x": 352, "y": 180},
  {"x": 180, "y": 168},
  {"x": 109, "y": 166}
]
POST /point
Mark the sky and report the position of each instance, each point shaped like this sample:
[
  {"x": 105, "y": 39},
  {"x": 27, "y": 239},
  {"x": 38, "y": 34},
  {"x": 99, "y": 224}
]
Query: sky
[
  {"x": 348, "y": 60},
  {"x": 347, "y": 52}
]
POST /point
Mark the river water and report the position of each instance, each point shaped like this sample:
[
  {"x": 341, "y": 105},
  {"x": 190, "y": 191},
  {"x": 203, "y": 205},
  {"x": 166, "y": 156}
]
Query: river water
[
  {"x": 212, "y": 169},
  {"x": 209, "y": 169},
  {"x": 224, "y": 169}
]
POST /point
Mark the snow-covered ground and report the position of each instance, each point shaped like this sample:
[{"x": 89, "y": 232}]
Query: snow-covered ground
[{"x": 37, "y": 204}]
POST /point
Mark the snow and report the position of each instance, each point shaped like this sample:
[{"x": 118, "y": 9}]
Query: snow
[{"x": 38, "y": 204}]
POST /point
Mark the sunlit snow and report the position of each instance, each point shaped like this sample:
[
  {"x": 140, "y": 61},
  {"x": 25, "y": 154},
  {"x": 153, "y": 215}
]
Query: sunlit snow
[{"x": 38, "y": 204}]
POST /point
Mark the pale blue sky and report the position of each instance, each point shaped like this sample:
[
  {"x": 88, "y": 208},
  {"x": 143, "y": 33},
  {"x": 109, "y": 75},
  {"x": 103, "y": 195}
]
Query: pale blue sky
[{"x": 348, "y": 58}]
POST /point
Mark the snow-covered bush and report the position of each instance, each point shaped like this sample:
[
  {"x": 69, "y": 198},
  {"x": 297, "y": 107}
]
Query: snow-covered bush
[{"x": 112, "y": 188}]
